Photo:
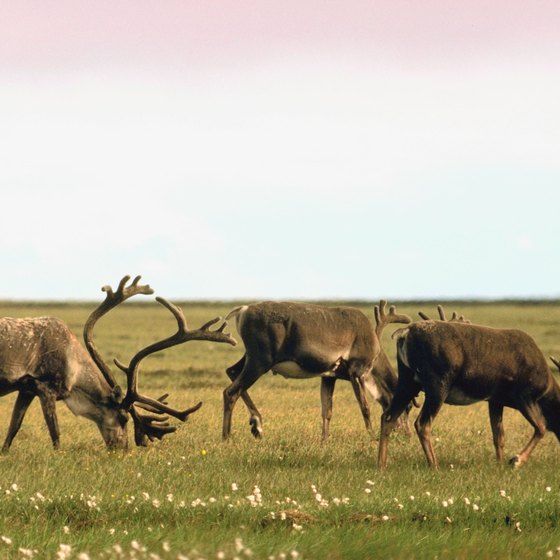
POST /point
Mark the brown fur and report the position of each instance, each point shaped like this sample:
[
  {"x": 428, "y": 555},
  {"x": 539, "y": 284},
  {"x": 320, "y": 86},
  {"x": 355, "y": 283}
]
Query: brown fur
[
  {"x": 338, "y": 342},
  {"x": 460, "y": 363},
  {"x": 41, "y": 357}
]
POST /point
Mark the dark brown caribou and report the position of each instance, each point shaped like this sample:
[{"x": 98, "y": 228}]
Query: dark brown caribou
[
  {"x": 459, "y": 363},
  {"x": 302, "y": 340},
  {"x": 41, "y": 357}
]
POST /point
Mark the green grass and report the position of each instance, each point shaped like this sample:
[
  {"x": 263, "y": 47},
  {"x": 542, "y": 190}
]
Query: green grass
[{"x": 176, "y": 498}]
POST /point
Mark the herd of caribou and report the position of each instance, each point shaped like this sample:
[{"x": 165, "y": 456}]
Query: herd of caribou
[{"x": 451, "y": 361}]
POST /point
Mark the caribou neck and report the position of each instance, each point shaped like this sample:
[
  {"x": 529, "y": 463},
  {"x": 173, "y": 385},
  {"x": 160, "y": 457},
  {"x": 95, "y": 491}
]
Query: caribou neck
[
  {"x": 550, "y": 406},
  {"x": 88, "y": 391}
]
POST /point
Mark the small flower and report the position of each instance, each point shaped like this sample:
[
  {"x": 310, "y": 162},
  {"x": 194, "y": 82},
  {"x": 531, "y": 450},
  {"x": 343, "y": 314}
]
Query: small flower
[
  {"x": 367, "y": 490},
  {"x": 6, "y": 540},
  {"x": 234, "y": 487},
  {"x": 385, "y": 517},
  {"x": 468, "y": 502},
  {"x": 548, "y": 488},
  {"x": 475, "y": 507}
]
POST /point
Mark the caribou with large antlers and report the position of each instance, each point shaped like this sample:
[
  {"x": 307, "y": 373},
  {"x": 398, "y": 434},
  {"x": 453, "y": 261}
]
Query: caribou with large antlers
[
  {"x": 41, "y": 357},
  {"x": 459, "y": 363},
  {"x": 298, "y": 341}
]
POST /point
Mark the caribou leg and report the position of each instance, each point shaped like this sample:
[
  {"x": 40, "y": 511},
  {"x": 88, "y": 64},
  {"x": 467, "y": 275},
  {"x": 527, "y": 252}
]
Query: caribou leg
[
  {"x": 21, "y": 405},
  {"x": 47, "y": 398},
  {"x": 533, "y": 414},
  {"x": 423, "y": 425},
  {"x": 255, "y": 419},
  {"x": 245, "y": 379},
  {"x": 358, "y": 384},
  {"x": 496, "y": 412},
  {"x": 327, "y": 390}
]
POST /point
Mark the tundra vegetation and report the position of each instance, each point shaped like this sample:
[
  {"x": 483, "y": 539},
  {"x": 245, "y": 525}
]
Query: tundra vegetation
[{"x": 288, "y": 495}]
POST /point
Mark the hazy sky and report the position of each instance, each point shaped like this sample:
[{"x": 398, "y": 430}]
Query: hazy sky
[{"x": 295, "y": 149}]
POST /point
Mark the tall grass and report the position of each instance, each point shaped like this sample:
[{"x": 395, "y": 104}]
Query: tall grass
[{"x": 193, "y": 496}]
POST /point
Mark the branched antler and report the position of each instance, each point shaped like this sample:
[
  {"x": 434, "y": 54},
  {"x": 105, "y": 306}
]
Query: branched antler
[
  {"x": 454, "y": 318},
  {"x": 112, "y": 299},
  {"x": 151, "y": 426},
  {"x": 153, "y": 423},
  {"x": 382, "y": 319}
]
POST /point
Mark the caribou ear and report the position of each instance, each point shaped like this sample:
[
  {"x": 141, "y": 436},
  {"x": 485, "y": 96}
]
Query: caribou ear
[{"x": 117, "y": 394}]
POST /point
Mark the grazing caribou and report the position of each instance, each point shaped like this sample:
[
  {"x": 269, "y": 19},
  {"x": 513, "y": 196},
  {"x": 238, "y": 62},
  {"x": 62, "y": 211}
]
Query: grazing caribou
[
  {"x": 299, "y": 340},
  {"x": 41, "y": 357},
  {"x": 459, "y": 363}
]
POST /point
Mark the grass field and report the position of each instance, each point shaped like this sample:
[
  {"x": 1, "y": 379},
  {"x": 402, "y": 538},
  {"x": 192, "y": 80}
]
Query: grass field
[{"x": 288, "y": 495}]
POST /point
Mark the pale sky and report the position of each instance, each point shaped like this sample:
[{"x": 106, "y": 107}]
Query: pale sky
[{"x": 295, "y": 149}]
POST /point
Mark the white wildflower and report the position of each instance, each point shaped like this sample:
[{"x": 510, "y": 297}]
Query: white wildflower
[
  {"x": 63, "y": 552},
  {"x": 6, "y": 540}
]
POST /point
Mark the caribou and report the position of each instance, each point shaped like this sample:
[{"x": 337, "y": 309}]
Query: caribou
[
  {"x": 41, "y": 357},
  {"x": 459, "y": 363},
  {"x": 303, "y": 340}
]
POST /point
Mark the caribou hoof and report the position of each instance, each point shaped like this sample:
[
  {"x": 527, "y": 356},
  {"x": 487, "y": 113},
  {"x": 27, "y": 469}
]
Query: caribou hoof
[
  {"x": 516, "y": 462},
  {"x": 256, "y": 427}
]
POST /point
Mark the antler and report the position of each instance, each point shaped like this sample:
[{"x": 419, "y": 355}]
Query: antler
[
  {"x": 382, "y": 319},
  {"x": 454, "y": 318},
  {"x": 555, "y": 361},
  {"x": 147, "y": 424},
  {"x": 112, "y": 299}
]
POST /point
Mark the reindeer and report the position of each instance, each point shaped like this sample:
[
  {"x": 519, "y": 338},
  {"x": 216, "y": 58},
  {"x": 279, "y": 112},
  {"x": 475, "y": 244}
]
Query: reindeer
[
  {"x": 298, "y": 341},
  {"x": 459, "y": 363},
  {"x": 41, "y": 357}
]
